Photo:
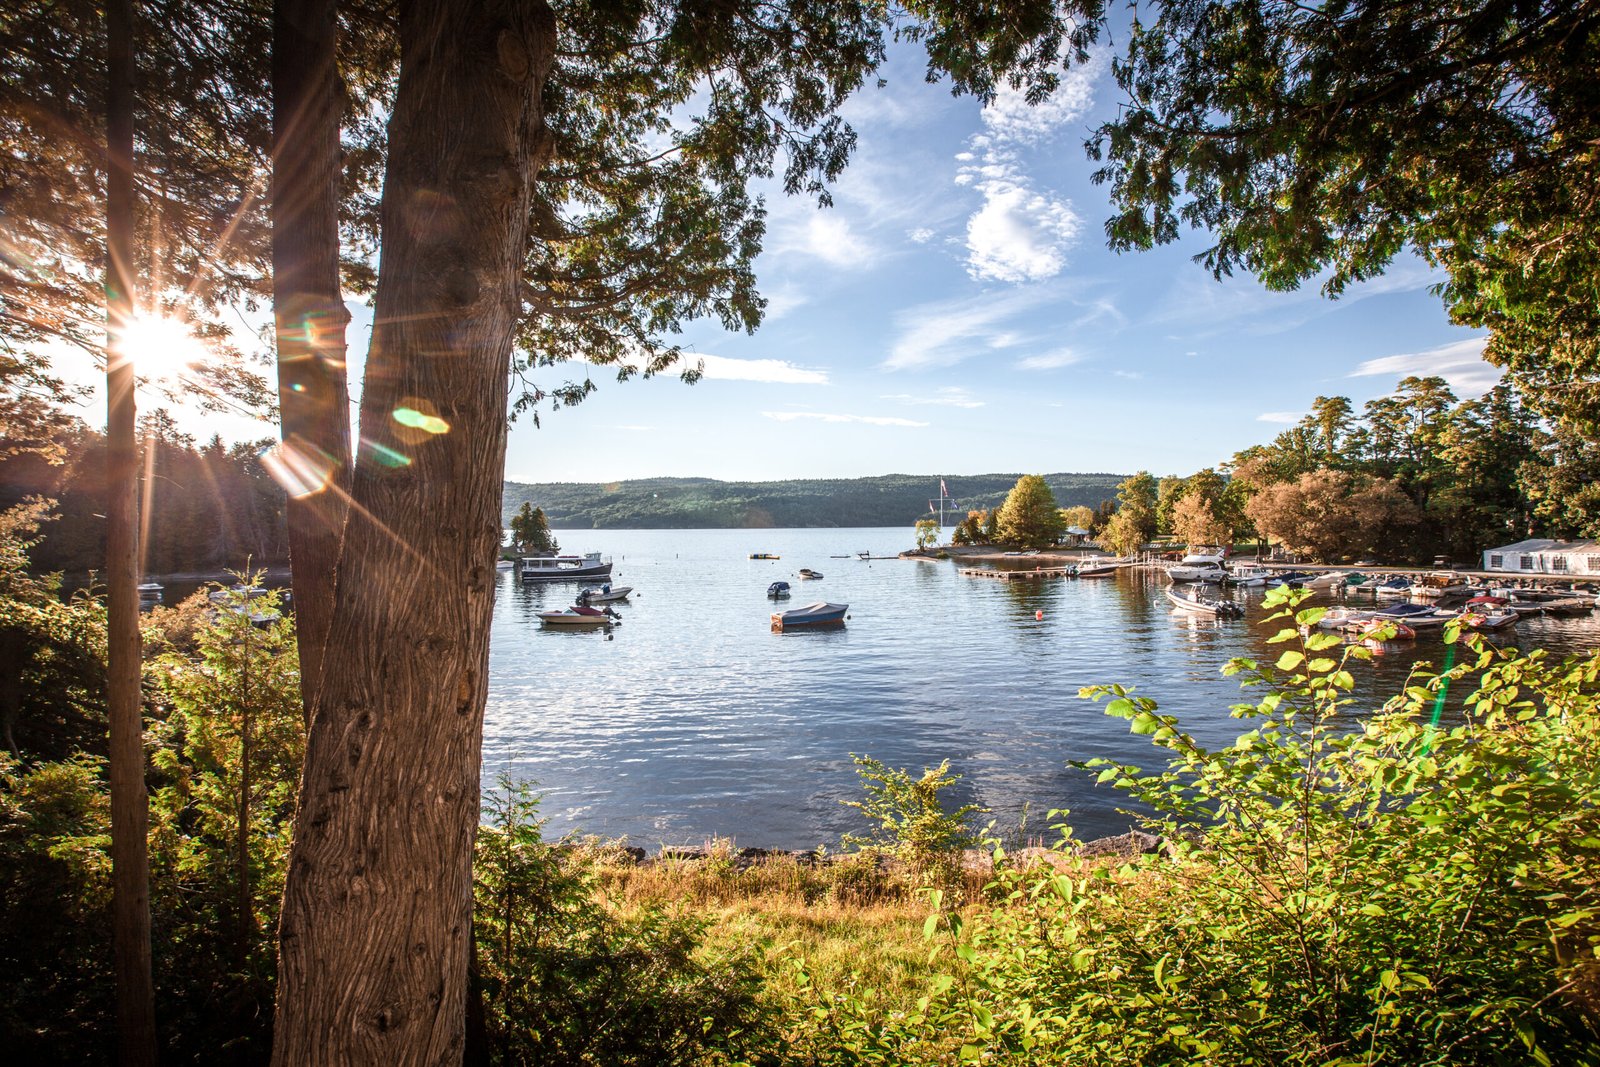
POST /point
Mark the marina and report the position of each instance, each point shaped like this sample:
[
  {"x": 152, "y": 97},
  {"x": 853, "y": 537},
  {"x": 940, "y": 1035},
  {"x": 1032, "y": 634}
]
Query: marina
[{"x": 717, "y": 726}]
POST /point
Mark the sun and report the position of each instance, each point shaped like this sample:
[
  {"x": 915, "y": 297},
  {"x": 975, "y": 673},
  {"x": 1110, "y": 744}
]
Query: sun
[{"x": 162, "y": 348}]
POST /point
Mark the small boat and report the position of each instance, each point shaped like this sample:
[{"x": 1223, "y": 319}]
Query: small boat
[
  {"x": 504, "y": 564},
  {"x": 1416, "y": 616},
  {"x": 552, "y": 568},
  {"x": 1205, "y": 605},
  {"x": 1096, "y": 567},
  {"x": 604, "y": 594},
  {"x": 1292, "y": 579},
  {"x": 1399, "y": 631},
  {"x": 778, "y": 590},
  {"x": 1325, "y": 580},
  {"x": 236, "y": 592},
  {"x": 763, "y": 555},
  {"x": 1392, "y": 587},
  {"x": 819, "y": 614},
  {"x": 579, "y": 616},
  {"x": 150, "y": 590},
  {"x": 1249, "y": 574},
  {"x": 807, "y": 572},
  {"x": 1347, "y": 620},
  {"x": 1200, "y": 565}
]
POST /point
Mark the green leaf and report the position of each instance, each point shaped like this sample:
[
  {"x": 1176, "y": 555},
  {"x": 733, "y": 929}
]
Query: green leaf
[
  {"x": 1290, "y": 660},
  {"x": 1144, "y": 723}
]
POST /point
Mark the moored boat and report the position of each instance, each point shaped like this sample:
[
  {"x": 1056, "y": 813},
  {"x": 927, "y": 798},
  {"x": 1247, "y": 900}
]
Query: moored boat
[
  {"x": 778, "y": 590},
  {"x": 1096, "y": 567},
  {"x": 604, "y": 594},
  {"x": 1205, "y": 605},
  {"x": 1200, "y": 565},
  {"x": 1249, "y": 574},
  {"x": 812, "y": 615},
  {"x": 553, "y": 568},
  {"x": 808, "y": 573},
  {"x": 579, "y": 616}
]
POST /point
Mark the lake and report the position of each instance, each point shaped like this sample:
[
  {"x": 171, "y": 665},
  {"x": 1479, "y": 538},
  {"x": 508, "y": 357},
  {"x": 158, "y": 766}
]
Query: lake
[{"x": 694, "y": 720}]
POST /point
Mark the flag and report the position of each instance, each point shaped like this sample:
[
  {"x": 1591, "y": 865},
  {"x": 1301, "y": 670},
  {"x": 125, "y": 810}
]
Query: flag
[
  {"x": 930, "y": 508},
  {"x": 942, "y": 490}
]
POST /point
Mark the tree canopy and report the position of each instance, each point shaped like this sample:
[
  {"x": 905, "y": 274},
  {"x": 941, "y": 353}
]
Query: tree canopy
[{"x": 1319, "y": 141}]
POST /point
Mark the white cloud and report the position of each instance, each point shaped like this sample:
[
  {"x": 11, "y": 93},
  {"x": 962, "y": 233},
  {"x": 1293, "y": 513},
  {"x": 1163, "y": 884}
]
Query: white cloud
[
  {"x": 954, "y": 396},
  {"x": 1019, "y": 234},
  {"x": 728, "y": 369},
  {"x": 921, "y": 235},
  {"x": 1130, "y": 374},
  {"x": 1012, "y": 119},
  {"x": 1460, "y": 363},
  {"x": 871, "y": 420},
  {"x": 1286, "y": 418},
  {"x": 1061, "y": 357},
  {"x": 830, "y": 238},
  {"x": 938, "y": 335}
]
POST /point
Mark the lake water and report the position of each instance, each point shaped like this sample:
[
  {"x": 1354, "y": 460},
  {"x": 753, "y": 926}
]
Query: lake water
[{"x": 695, "y": 720}]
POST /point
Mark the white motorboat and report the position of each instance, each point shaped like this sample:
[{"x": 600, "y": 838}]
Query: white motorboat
[
  {"x": 1200, "y": 565},
  {"x": 552, "y": 568},
  {"x": 1249, "y": 574},
  {"x": 604, "y": 594},
  {"x": 1205, "y": 605},
  {"x": 1096, "y": 567}
]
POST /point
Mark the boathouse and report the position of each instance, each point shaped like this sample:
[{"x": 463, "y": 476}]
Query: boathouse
[{"x": 1541, "y": 555}]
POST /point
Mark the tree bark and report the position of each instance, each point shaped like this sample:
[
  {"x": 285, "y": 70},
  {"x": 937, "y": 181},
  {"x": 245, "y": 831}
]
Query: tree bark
[
  {"x": 309, "y": 313},
  {"x": 130, "y": 814},
  {"x": 377, "y": 907}
]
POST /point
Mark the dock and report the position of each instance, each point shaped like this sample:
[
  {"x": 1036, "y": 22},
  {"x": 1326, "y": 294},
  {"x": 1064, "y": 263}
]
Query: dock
[{"x": 1018, "y": 575}]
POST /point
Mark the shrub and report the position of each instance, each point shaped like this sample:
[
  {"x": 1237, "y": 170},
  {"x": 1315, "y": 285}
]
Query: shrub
[
  {"x": 1342, "y": 889},
  {"x": 910, "y": 823}
]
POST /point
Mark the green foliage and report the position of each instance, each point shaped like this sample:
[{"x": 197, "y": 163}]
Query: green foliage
[
  {"x": 55, "y": 887},
  {"x": 927, "y": 533},
  {"x": 1030, "y": 516},
  {"x": 910, "y": 823},
  {"x": 52, "y": 651},
  {"x": 531, "y": 530},
  {"x": 1341, "y": 888},
  {"x": 699, "y": 503},
  {"x": 565, "y": 980},
  {"x": 1321, "y": 140}
]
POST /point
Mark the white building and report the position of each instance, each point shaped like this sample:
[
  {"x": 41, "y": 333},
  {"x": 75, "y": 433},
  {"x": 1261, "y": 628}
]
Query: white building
[{"x": 1540, "y": 555}]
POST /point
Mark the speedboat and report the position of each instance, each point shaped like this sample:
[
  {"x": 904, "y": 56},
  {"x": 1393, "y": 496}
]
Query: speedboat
[
  {"x": 553, "y": 568},
  {"x": 1416, "y": 616},
  {"x": 1488, "y": 618},
  {"x": 1096, "y": 567},
  {"x": 1205, "y": 605},
  {"x": 1325, "y": 580},
  {"x": 778, "y": 590},
  {"x": 807, "y": 572},
  {"x": 1348, "y": 620},
  {"x": 1392, "y": 587},
  {"x": 579, "y": 616},
  {"x": 1249, "y": 574},
  {"x": 818, "y": 614},
  {"x": 1202, "y": 565},
  {"x": 604, "y": 594}
]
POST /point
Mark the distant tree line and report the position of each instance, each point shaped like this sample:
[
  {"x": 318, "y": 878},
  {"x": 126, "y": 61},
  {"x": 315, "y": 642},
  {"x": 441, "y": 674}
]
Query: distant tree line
[
  {"x": 1415, "y": 475},
  {"x": 203, "y": 507},
  {"x": 704, "y": 503}
]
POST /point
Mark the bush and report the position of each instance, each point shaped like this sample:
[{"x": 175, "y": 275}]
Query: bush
[
  {"x": 911, "y": 825},
  {"x": 1342, "y": 890},
  {"x": 560, "y": 979}
]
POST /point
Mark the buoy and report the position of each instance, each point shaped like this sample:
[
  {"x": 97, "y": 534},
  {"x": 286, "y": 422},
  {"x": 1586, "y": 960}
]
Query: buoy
[{"x": 1039, "y": 615}]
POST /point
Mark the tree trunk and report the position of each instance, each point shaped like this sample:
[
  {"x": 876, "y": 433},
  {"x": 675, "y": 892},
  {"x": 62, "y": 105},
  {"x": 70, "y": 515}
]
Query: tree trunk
[
  {"x": 309, "y": 313},
  {"x": 130, "y": 814},
  {"x": 378, "y": 903}
]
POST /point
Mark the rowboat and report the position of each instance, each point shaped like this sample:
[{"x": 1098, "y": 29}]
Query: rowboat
[{"x": 812, "y": 615}]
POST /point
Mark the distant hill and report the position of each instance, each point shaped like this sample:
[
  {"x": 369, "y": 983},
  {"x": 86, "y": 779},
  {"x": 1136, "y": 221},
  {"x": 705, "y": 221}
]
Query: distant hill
[{"x": 704, "y": 503}]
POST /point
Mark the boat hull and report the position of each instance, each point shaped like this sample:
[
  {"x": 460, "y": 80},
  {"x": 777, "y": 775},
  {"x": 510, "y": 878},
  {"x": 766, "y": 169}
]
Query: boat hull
[
  {"x": 602, "y": 570},
  {"x": 811, "y": 616}
]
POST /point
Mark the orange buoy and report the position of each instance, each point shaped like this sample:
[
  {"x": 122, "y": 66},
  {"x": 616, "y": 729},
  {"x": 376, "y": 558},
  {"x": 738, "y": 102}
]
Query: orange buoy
[{"x": 1039, "y": 615}]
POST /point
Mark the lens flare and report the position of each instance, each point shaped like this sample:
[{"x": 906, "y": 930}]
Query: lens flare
[
  {"x": 419, "y": 420},
  {"x": 384, "y": 455},
  {"x": 303, "y": 470}
]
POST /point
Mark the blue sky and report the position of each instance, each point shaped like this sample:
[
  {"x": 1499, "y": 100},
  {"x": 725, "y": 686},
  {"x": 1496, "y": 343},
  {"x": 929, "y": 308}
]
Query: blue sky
[{"x": 956, "y": 311}]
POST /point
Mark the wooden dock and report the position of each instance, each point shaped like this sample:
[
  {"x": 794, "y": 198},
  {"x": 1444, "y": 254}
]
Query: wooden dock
[{"x": 1018, "y": 576}]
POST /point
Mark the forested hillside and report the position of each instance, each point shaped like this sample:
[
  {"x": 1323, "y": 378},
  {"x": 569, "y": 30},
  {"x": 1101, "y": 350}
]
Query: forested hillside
[{"x": 703, "y": 503}]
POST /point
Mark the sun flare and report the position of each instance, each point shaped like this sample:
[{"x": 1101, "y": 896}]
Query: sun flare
[{"x": 161, "y": 348}]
